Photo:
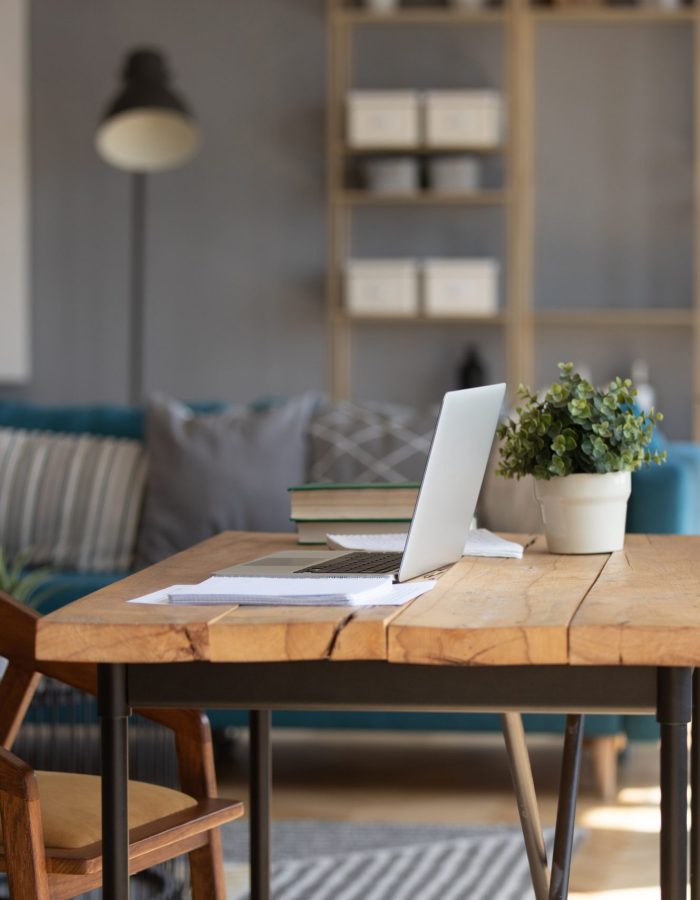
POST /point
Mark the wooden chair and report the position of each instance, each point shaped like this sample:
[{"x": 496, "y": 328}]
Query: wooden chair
[{"x": 51, "y": 821}]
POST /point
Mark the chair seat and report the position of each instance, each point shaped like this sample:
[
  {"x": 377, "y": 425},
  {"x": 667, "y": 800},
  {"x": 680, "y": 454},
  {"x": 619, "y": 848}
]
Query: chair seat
[
  {"x": 51, "y": 834},
  {"x": 159, "y": 817},
  {"x": 71, "y": 812}
]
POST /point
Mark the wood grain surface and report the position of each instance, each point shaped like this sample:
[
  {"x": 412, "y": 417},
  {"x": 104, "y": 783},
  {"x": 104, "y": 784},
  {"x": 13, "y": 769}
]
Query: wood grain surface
[
  {"x": 496, "y": 611},
  {"x": 645, "y": 607},
  {"x": 640, "y": 606}
]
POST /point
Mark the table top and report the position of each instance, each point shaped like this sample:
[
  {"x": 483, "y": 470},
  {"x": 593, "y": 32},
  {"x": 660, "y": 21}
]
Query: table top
[{"x": 639, "y": 606}]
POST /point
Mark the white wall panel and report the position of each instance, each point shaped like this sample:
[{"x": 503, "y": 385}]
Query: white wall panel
[{"x": 14, "y": 294}]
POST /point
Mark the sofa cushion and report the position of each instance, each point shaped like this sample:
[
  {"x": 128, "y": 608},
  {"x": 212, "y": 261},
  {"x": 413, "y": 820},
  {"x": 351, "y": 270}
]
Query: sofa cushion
[
  {"x": 210, "y": 473},
  {"x": 73, "y": 500},
  {"x": 369, "y": 443}
]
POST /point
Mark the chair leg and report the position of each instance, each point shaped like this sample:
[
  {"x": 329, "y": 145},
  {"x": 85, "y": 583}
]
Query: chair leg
[
  {"x": 604, "y": 753},
  {"x": 207, "y": 870},
  {"x": 26, "y": 860}
]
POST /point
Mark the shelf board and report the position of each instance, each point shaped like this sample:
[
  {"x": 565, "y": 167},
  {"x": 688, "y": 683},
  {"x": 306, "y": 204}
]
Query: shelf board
[
  {"x": 448, "y": 16},
  {"x": 427, "y": 16},
  {"x": 422, "y": 319},
  {"x": 422, "y": 150},
  {"x": 423, "y": 198},
  {"x": 608, "y": 317},
  {"x": 622, "y": 15}
]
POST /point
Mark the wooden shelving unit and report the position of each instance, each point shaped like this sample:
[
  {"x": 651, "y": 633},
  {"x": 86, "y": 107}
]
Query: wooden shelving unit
[
  {"x": 420, "y": 150},
  {"x": 342, "y": 23},
  {"x": 648, "y": 318},
  {"x": 519, "y": 319},
  {"x": 421, "y": 198},
  {"x": 422, "y": 319},
  {"x": 412, "y": 16},
  {"x": 623, "y": 15}
]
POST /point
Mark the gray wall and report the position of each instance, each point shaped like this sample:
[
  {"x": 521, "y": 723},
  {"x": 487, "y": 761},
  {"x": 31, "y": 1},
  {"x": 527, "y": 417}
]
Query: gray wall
[
  {"x": 236, "y": 239},
  {"x": 614, "y": 205}
]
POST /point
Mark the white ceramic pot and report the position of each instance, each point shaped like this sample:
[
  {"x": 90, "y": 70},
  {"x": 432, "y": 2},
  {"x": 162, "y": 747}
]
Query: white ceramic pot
[{"x": 584, "y": 513}]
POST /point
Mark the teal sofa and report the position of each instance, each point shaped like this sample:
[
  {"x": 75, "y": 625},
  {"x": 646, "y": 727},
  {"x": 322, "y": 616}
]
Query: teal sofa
[{"x": 664, "y": 500}]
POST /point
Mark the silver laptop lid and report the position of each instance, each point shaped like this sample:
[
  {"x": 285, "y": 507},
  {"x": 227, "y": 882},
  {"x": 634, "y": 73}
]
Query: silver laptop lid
[{"x": 450, "y": 488}]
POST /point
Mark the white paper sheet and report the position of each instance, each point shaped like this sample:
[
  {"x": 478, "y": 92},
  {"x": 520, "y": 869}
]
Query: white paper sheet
[
  {"x": 281, "y": 591},
  {"x": 388, "y": 595},
  {"x": 480, "y": 542}
]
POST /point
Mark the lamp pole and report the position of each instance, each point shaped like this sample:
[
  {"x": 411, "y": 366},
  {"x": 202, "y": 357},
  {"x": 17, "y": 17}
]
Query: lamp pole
[{"x": 137, "y": 277}]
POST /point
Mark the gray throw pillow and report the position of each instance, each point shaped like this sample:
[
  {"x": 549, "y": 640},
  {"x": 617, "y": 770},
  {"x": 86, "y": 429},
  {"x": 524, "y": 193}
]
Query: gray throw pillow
[
  {"x": 229, "y": 470},
  {"x": 371, "y": 443}
]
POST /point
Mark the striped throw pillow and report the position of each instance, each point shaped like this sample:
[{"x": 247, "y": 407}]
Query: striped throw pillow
[{"x": 74, "y": 500}]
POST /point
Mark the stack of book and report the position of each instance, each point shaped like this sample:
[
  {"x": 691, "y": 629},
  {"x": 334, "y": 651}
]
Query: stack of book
[{"x": 319, "y": 509}]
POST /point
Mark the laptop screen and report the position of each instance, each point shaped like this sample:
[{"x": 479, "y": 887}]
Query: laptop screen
[{"x": 454, "y": 472}]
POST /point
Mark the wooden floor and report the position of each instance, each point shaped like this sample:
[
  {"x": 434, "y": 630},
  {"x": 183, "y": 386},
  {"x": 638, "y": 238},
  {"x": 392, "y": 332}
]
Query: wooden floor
[{"x": 456, "y": 778}]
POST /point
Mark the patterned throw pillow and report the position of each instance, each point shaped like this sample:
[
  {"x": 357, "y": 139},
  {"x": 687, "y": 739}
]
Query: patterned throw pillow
[
  {"x": 352, "y": 443},
  {"x": 74, "y": 500}
]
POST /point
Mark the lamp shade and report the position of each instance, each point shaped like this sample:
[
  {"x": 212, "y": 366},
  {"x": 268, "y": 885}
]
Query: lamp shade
[{"x": 147, "y": 127}]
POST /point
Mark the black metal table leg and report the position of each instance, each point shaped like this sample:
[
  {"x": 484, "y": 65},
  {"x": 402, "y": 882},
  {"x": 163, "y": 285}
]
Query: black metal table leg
[
  {"x": 260, "y": 790},
  {"x": 566, "y": 808},
  {"x": 114, "y": 721},
  {"x": 695, "y": 792},
  {"x": 673, "y": 714}
]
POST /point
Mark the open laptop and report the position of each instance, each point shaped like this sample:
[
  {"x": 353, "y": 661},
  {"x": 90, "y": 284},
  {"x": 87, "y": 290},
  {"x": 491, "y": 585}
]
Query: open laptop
[{"x": 446, "y": 501}]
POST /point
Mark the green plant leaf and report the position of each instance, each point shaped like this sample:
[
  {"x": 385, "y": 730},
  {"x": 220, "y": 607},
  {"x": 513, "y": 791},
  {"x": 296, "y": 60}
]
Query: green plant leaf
[
  {"x": 576, "y": 427},
  {"x": 19, "y": 580}
]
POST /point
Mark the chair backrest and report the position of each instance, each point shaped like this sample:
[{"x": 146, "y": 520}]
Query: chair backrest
[
  {"x": 24, "y": 671},
  {"x": 20, "y": 810},
  {"x": 20, "y": 680},
  {"x": 23, "y": 674},
  {"x": 17, "y": 629}
]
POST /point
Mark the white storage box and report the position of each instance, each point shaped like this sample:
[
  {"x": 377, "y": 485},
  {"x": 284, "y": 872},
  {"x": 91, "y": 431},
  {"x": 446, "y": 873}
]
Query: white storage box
[
  {"x": 463, "y": 118},
  {"x": 460, "y": 287},
  {"x": 381, "y": 287},
  {"x": 383, "y": 119}
]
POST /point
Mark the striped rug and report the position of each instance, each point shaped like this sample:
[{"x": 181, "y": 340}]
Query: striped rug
[{"x": 375, "y": 861}]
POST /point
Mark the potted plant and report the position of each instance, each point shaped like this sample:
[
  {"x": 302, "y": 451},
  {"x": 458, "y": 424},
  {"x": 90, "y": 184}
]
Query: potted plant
[
  {"x": 19, "y": 581},
  {"x": 580, "y": 443}
]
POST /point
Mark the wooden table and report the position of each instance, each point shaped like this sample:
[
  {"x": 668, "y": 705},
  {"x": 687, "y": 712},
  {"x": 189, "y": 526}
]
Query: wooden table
[{"x": 615, "y": 633}]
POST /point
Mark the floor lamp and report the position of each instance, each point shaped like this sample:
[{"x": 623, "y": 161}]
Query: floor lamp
[{"x": 146, "y": 128}]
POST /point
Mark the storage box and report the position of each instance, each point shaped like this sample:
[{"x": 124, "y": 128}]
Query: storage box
[
  {"x": 460, "y": 287},
  {"x": 463, "y": 118},
  {"x": 381, "y": 287},
  {"x": 454, "y": 174},
  {"x": 391, "y": 175},
  {"x": 383, "y": 119}
]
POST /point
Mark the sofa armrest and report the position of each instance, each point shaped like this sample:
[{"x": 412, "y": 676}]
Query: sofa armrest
[{"x": 666, "y": 499}]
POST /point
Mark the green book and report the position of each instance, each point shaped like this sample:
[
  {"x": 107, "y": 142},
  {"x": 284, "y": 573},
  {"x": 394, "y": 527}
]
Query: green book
[
  {"x": 314, "y": 531},
  {"x": 356, "y": 502}
]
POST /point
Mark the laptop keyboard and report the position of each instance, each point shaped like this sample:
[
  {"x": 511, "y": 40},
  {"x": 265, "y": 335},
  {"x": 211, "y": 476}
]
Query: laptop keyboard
[{"x": 360, "y": 562}]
